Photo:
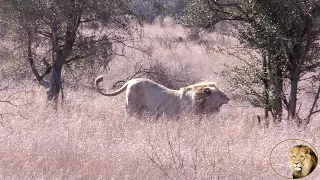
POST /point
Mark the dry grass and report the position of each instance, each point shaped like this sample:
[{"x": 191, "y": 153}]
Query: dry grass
[{"x": 89, "y": 138}]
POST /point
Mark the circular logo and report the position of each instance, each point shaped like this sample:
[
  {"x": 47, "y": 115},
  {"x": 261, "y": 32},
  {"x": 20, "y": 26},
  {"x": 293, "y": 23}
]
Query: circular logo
[{"x": 293, "y": 158}]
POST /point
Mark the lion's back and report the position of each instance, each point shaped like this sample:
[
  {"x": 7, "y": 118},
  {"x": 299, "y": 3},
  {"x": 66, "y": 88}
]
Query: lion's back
[{"x": 154, "y": 96}]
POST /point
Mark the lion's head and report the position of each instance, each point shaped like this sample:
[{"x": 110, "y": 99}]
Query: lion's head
[
  {"x": 302, "y": 161},
  {"x": 208, "y": 98}
]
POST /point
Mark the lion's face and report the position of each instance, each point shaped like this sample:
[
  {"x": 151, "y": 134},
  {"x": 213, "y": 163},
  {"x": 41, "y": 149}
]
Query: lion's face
[
  {"x": 214, "y": 99},
  {"x": 219, "y": 96},
  {"x": 297, "y": 158},
  {"x": 302, "y": 160}
]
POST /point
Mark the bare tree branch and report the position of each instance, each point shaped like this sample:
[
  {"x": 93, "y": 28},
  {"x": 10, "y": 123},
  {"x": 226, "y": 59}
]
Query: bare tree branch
[
  {"x": 314, "y": 104},
  {"x": 39, "y": 78}
]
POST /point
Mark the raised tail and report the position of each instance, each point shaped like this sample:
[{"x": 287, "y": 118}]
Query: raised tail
[{"x": 99, "y": 79}]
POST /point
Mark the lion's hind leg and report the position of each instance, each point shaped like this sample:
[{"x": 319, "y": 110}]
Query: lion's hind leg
[
  {"x": 135, "y": 105},
  {"x": 129, "y": 112},
  {"x": 134, "y": 111}
]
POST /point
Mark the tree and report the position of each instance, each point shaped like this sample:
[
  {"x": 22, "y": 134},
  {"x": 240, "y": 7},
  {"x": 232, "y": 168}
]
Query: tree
[
  {"x": 58, "y": 33},
  {"x": 283, "y": 32},
  {"x": 150, "y": 9}
]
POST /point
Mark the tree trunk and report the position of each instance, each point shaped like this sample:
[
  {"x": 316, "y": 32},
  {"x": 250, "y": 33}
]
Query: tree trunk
[
  {"x": 265, "y": 82},
  {"x": 276, "y": 80},
  {"x": 278, "y": 95},
  {"x": 299, "y": 58},
  {"x": 60, "y": 55},
  {"x": 55, "y": 82},
  {"x": 293, "y": 96}
]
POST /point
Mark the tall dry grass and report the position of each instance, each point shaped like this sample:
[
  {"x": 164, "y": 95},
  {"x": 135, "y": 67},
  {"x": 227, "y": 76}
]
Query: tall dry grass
[{"x": 88, "y": 137}]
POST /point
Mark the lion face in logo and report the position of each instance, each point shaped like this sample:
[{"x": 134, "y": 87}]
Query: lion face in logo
[{"x": 302, "y": 161}]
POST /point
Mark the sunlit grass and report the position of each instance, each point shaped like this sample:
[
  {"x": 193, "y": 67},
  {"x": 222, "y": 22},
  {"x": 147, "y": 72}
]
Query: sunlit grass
[{"x": 88, "y": 136}]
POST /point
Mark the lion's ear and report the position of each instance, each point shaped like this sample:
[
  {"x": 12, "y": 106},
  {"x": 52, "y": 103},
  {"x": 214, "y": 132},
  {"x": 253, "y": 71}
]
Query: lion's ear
[
  {"x": 308, "y": 151},
  {"x": 207, "y": 90},
  {"x": 291, "y": 150}
]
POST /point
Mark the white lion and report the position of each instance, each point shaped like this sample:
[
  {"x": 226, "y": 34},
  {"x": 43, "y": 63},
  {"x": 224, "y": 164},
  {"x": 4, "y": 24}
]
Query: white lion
[{"x": 144, "y": 95}]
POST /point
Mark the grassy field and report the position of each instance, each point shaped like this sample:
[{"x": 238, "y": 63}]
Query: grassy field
[{"x": 88, "y": 136}]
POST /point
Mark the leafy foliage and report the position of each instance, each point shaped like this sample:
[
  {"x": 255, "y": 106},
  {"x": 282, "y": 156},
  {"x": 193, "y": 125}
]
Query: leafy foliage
[
  {"x": 285, "y": 33},
  {"x": 58, "y": 33}
]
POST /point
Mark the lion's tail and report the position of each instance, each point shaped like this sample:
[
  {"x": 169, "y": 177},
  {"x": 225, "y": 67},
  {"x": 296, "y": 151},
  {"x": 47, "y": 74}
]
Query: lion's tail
[{"x": 99, "y": 79}]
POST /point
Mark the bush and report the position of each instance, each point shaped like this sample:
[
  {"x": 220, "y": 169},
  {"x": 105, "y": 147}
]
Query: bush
[{"x": 169, "y": 76}]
